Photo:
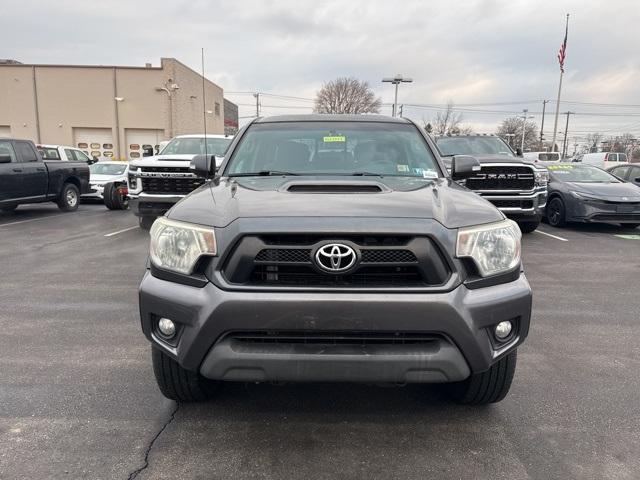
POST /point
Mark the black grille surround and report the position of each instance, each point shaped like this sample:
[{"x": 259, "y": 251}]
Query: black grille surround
[
  {"x": 267, "y": 261},
  {"x": 502, "y": 177},
  {"x": 320, "y": 337},
  {"x": 168, "y": 186}
]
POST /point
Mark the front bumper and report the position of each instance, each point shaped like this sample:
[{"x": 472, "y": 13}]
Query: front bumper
[
  {"x": 144, "y": 204},
  {"x": 459, "y": 322},
  {"x": 602, "y": 212},
  {"x": 528, "y": 205},
  {"x": 95, "y": 192}
]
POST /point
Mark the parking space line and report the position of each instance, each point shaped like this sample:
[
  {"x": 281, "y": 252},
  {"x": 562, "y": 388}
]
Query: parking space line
[
  {"x": 120, "y": 231},
  {"x": 552, "y": 236},
  {"x": 31, "y": 220}
]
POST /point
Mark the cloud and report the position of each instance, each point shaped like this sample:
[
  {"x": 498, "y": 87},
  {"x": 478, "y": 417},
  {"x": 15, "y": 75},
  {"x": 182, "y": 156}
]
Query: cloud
[{"x": 474, "y": 51}]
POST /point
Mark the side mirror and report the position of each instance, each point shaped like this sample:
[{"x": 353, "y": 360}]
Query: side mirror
[
  {"x": 92, "y": 160},
  {"x": 203, "y": 165},
  {"x": 5, "y": 158},
  {"x": 518, "y": 152},
  {"x": 464, "y": 166},
  {"x": 637, "y": 180}
]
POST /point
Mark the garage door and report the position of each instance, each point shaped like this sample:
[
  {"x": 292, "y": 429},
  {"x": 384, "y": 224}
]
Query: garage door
[
  {"x": 96, "y": 142},
  {"x": 5, "y": 131},
  {"x": 142, "y": 142}
]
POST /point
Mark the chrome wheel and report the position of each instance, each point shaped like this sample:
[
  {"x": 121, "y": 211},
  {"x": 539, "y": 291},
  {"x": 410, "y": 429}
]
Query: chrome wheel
[{"x": 72, "y": 198}]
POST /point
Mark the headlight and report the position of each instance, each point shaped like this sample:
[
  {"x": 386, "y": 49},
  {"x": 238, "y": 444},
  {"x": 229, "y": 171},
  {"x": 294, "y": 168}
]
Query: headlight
[
  {"x": 177, "y": 246},
  {"x": 542, "y": 177},
  {"x": 494, "y": 248},
  {"x": 133, "y": 168},
  {"x": 584, "y": 196}
]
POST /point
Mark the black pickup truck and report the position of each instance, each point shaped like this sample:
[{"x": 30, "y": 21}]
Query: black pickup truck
[{"x": 26, "y": 178}]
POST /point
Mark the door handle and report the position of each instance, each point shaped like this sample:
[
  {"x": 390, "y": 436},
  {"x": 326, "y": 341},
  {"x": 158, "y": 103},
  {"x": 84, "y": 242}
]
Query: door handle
[
  {"x": 40, "y": 169},
  {"x": 17, "y": 169}
]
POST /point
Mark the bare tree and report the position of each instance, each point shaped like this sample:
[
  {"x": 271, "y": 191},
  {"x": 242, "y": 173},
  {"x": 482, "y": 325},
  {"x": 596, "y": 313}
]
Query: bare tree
[
  {"x": 593, "y": 140},
  {"x": 346, "y": 95},
  {"x": 510, "y": 130},
  {"x": 449, "y": 122}
]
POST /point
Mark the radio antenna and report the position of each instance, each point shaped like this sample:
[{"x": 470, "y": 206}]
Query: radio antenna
[{"x": 204, "y": 106}]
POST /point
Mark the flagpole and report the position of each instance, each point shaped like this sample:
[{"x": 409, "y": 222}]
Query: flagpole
[{"x": 555, "y": 123}]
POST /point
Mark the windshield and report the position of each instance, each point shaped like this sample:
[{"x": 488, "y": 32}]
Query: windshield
[
  {"x": 478, "y": 145},
  {"x": 195, "y": 146},
  {"x": 580, "y": 173},
  {"x": 333, "y": 148},
  {"x": 107, "y": 168}
]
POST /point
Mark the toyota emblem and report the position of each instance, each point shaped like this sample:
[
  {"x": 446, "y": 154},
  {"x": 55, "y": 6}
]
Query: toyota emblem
[{"x": 335, "y": 257}]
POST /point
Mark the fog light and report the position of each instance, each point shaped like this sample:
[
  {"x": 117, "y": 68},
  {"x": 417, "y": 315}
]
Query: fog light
[
  {"x": 502, "y": 330},
  {"x": 166, "y": 327}
]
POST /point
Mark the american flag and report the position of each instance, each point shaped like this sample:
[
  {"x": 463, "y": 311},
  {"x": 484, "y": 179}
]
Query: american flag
[{"x": 563, "y": 50}]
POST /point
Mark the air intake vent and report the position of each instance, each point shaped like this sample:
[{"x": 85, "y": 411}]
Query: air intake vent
[{"x": 334, "y": 188}]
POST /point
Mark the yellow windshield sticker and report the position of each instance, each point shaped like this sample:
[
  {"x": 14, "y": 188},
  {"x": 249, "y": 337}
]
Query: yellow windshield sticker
[
  {"x": 559, "y": 167},
  {"x": 335, "y": 138}
]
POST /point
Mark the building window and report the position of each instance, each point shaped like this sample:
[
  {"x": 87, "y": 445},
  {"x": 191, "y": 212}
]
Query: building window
[{"x": 217, "y": 109}]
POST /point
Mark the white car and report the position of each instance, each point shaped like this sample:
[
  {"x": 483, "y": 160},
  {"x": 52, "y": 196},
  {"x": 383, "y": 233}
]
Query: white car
[
  {"x": 102, "y": 173},
  {"x": 64, "y": 153}
]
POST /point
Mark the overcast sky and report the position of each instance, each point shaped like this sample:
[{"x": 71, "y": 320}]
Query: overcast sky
[{"x": 471, "y": 52}]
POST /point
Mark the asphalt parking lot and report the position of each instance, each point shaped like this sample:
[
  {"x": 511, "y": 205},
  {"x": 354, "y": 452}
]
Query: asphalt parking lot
[{"x": 78, "y": 398}]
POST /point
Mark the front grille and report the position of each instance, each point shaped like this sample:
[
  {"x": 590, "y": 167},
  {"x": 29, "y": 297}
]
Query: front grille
[
  {"x": 496, "y": 177},
  {"x": 294, "y": 275},
  {"x": 523, "y": 204},
  {"x": 332, "y": 338},
  {"x": 388, "y": 256},
  {"x": 288, "y": 255},
  {"x": 299, "y": 255},
  {"x": 616, "y": 217},
  {"x": 166, "y": 169},
  {"x": 177, "y": 186},
  {"x": 287, "y": 260}
]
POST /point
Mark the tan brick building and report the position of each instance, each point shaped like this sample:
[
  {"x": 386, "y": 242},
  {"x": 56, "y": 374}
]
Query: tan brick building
[{"x": 113, "y": 111}]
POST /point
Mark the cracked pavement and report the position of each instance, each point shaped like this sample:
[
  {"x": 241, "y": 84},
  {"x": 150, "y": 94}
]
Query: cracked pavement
[{"x": 78, "y": 398}]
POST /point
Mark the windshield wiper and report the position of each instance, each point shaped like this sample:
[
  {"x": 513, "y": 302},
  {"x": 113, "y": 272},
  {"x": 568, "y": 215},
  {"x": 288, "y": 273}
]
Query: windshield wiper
[
  {"x": 262, "y": 173},
  {"x": 366, "y": 174}
]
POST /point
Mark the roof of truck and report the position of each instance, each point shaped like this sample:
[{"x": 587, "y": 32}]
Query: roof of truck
[{"x": 324, "y": 117}]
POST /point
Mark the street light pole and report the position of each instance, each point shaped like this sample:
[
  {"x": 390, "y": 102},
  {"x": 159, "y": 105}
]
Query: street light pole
[{"x": 397, "y": 80}]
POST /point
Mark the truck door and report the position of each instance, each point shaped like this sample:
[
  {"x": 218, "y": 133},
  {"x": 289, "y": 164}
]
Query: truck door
[
  {"x": 34, "y": 171},
  {"x": 10, "y": 173}
]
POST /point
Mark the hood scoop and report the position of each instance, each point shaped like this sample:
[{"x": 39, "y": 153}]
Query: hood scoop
[{"x": 334, "y": 186}]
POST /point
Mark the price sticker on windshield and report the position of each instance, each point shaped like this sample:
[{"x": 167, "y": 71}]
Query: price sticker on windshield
[
  {"x": 560, "y": 167},
  {"x": 335, "y": 138}
]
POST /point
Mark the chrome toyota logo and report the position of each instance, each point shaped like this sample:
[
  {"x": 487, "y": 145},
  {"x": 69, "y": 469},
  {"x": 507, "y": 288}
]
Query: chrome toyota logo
[{"x": 336, "y": 257}]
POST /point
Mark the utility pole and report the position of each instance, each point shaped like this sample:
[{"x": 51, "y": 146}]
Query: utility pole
[
  {"x": 257, "y": 95},
  {"x": 566, "y": 129},
  {"x": 397, "y": 80},
  {"x": 544, "y": 107},
  {"x": 509, "y": 135},
  {"x": 555, "y": 124},
  {"x": 524, "y": 126},
  {"x": 401, "y": 108}
]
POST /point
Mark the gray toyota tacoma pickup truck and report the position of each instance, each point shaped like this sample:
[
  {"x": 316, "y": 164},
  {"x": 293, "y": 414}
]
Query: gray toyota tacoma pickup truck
[{"x": 335, "y": 248}]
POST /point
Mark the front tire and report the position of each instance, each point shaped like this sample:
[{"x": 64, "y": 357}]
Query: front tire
[
  {"x": 177, "y": 383},
  {"x": 486, "y": 387},
  {"x": 146, "y": 222},
  {"x": 113, "y": 199},
  {"x": 556, "y": 213},
  {"x": 69, "y": 198},
  {"x": 528, "y": 227}
]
